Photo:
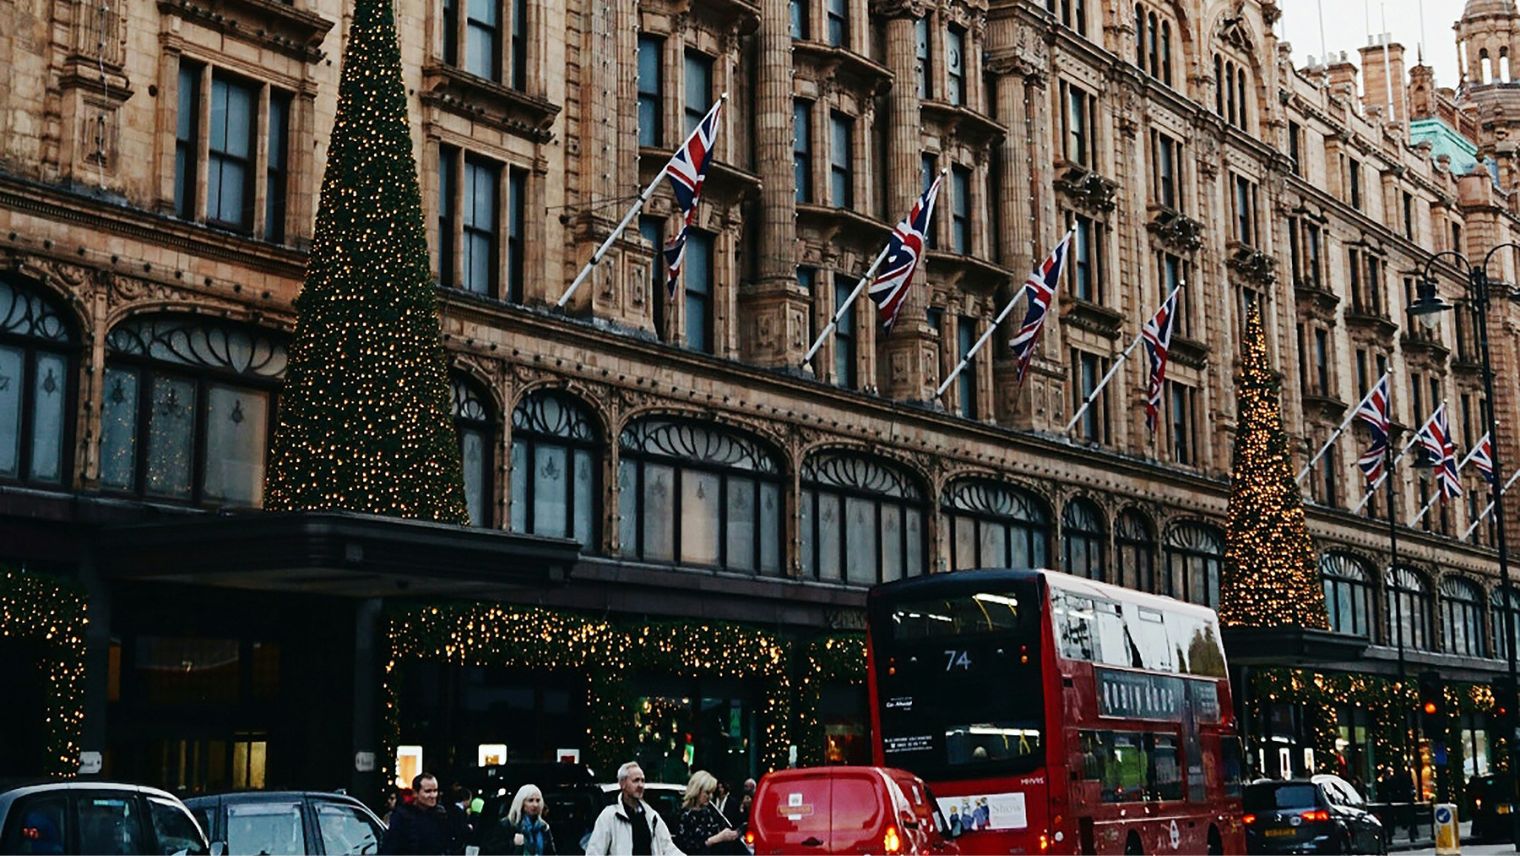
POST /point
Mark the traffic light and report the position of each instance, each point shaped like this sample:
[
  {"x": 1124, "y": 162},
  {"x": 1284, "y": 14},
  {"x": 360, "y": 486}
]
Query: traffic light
[
  {"x": 1432, "y": 707},
  {"x": 1504, "y": 707}
]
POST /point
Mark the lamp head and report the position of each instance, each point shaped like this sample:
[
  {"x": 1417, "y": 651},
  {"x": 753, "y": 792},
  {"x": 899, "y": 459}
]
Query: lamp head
[{"x": 1428, "y": 305}]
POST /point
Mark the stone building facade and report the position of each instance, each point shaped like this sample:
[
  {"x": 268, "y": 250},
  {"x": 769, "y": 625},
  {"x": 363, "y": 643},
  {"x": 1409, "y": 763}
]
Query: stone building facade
[{"x": 159, "y": 167}]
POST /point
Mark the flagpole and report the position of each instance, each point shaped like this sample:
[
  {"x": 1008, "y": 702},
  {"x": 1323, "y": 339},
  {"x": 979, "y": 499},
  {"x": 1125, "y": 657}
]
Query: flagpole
[
  {"x": 1483, "y": 515},
  {"x": 633, "y": 211},
  {"x": 850, "y": 301},
  {"x": 1092, "y": 396},
  {"x": 1437, "y": 495},
  {"x": 961, "y": 366},
  {"x": 1344, "y": 424}
]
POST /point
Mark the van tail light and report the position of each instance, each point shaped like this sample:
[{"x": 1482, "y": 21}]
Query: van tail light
[
  {"x": 1316, "y": 814},
  {"x": 891, "y": 842},
  {"x": 1248, "y": 819},
  {"x": 1044, "y": 842},
  {"x": 749, "y": 839}
]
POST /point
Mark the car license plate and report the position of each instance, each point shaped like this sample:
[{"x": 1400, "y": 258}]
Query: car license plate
[
  {"x": 1279, "y": 833},
  {"x": 1503, "y": 809}
]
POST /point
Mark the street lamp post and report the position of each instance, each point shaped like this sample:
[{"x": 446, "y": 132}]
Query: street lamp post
[{"x": 1427, "y": 307}]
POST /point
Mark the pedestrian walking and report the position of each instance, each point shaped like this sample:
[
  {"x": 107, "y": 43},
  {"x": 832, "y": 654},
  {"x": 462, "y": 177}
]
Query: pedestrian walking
[
  {"x": 523, "y": 832},
  {"x": 461, "y": 822},
  {"x": 421, "y": 826},
  {"x": 701, "y": 827},
  {"x": 630, "y": 826}
]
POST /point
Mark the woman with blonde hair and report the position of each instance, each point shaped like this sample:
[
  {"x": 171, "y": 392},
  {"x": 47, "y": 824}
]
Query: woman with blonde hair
[
  {"x": 702, "y": 828},
  {"x": 524, "y": 830}
]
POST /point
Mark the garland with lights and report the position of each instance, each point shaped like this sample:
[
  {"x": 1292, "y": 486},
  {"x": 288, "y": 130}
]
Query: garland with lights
[
  {"x": 1271, "y": 574},
  {"x": 366, "y": 414},
  {"x": 833, "y": 660},
  {"x": 608, "y": 654},
  {"x": 52, "y": 611}
]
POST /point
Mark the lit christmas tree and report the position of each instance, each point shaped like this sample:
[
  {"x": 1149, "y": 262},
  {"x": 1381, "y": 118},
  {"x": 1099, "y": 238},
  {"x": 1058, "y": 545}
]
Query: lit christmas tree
[
  {"x": 1271, "y": 575},
  {"x": 365, "y": 419}
]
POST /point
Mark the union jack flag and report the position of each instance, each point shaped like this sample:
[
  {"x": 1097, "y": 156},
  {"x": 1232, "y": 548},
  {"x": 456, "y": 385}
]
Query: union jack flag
[
  {"x": 1040, "y": 289},
  {"x": 1157, "y": 334},
  {"x": 890, "y": 287},
  {"x": 1482, "y": 457},
  {"x": 1435, "y": 440},
  {"x": 1373, "y": 412},
  {"x": 687, "y": 171}
]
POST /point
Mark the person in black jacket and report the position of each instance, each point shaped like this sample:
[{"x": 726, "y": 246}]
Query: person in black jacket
[
  {"x": 701, "y": 827},
  {"x": 523, "y": 831},
  {"x": 421, "y": 826}
]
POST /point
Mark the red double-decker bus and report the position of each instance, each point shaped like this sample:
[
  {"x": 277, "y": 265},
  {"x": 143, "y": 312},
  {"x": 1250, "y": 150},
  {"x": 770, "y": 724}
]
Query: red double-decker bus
[{"x": 1052, "y": 714}]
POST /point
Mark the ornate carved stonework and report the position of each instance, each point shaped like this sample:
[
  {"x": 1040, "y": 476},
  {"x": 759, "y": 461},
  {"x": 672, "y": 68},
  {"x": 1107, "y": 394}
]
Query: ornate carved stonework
[
  {"x": 1177, "y": 231},
  {"x": 1253, "y": 266},
  {"x": 1087, "y": 189}
]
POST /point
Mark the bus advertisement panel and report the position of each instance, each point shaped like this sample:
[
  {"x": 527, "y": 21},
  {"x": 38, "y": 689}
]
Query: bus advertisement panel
[{"x": 1052, "y": 714}]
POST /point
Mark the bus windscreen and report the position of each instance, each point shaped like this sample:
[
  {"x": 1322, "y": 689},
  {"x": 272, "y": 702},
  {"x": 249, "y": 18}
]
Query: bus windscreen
[{"x": 960, "y": 687}]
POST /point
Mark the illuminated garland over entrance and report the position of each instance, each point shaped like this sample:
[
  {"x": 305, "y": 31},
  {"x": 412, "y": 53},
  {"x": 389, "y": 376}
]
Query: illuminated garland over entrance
[{"x": 51, "y": 611}]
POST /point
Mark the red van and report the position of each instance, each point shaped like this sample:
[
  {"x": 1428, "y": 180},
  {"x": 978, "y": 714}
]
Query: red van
[{"x": 846, "y": 810}]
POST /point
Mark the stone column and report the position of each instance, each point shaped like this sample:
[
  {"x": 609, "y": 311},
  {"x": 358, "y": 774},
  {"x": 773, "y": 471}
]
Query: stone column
[
  {"x": 775, "y": 309},
  {"x": 909, "y": 353}
]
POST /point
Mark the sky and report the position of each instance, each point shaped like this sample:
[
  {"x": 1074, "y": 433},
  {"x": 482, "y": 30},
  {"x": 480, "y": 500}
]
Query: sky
[{"x": 1346, "y": 25}]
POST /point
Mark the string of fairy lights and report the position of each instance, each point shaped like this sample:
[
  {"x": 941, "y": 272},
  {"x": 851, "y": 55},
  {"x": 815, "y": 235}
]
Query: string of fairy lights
[
  {"x": 52, "y": 612},
  {"x": 365, "y": 416},
  {"x": 1271, "y": 573},
  {"x": 611, "y": 655}
]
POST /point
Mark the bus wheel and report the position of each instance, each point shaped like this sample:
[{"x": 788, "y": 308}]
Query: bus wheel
[
  {"x": 1132, "y": 846},
  {"x": 1216, "y": 846}
]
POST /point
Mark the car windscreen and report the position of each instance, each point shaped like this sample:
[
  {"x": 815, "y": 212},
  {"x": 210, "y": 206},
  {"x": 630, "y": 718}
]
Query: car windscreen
[
  {"x": 960, "y": 681},
  {"x": 1275, "y": 796}
]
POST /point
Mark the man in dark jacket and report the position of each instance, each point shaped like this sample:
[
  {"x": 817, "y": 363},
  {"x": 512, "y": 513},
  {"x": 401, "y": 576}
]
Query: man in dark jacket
[{"x": 421, "y": 826}]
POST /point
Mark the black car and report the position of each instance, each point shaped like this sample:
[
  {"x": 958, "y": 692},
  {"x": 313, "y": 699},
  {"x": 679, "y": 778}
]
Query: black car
[
  {"x": 1491, "y": 806},
  {"x": 255, "y": 822},
  {"x": 1322, "y": 814},
  {"x": 572, "y": 799}
]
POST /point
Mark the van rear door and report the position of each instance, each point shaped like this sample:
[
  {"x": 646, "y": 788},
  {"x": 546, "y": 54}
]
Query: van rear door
[
  {"x": 793, "y": 813},
  {"x": 860, "y": 811}
]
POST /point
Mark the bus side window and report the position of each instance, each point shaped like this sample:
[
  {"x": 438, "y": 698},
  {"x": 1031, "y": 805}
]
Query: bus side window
[
  {"x": 1076, "y": 620},
  {"x": 1166, "y": 770},
  {"x": 1148, "y": 630},
  {"x": 1233, "y": 760}
]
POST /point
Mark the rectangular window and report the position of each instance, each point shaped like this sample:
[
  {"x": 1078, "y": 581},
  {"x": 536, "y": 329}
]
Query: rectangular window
[
  {"x": 1078, "y": 119},
  {"x": 807, "y": 279},
  {"x": 448, "y": 187},
  {"x": 955, "y": 63},
  {"x": 481, "y": 225},
  {"x": 187, "y": 140},
  {"x": 802, "y": 149},
  {"x": 519, "y": 44},
  {"x": 839, "y": 22},
  {"x": 699, "y": 80},
  {"x": 960, "y": 222},
  {"x": 921, "y": 55},
  {"x": 1089, "y": 368},
  {"x": 1374, "y": 285},
  {"x": 1087, "y": 260},
  {"x": 841, "y": 171},
  {"x": 1295, "y": 147},
  {"x": 697, "y": 270},
  {"x": 928, "y": 167},
  {"x": 229, "y": 179},
  {"x": 653, "y": 230},
  {"x": 1408, "y": 215},
  {"x": 965, "y": 333},
  {"x": 517, "y": 222},
  {"x": 1456, "y": 237},
  {"x": 1166, "y": 156},
  {"x": 1322, "y": 360},
  {"x": 276, "y": 169},
  {"x": 482, "y": 39},
  {"x": 1172, "y": 273},
  {"x": 799, "y": 18},
  {"x": 1181, "y": 401},
  {"x": 844, "y": 335},
  {"x": 1310, "y": 250},
  {"x": 651, "y": 89},
  {"x": 451, "y": 31},
  {"x": 1245, "y": 211},
  {"x": 1355, "y": 185}
]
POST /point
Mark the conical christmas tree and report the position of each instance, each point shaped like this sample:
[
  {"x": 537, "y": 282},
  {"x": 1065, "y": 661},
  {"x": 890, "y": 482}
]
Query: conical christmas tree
[
  {"x": 1271, "y": 576},
  {"x": 365, "y": 421}
]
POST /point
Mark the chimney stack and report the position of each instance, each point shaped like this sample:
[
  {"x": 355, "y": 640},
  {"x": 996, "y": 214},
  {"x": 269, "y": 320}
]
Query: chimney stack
[
  {"x": 1383, "y": 80},
  {"x": 1342, "y": 76}
]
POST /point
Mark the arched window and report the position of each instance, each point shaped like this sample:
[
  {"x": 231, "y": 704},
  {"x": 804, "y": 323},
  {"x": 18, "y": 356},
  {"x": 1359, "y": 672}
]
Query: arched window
[
  {"x": 1483, "y": 69},
  {"x": 1082, "y": 537},
  {"x": 556, "y": 468},
  {"x": 1506, "y": 610},
  {"x": 862, "y": 519},
  {"x": 1348, "y": 594},
  {"x": 699, "y": 494},
  {"x": 476, "y": 430},
  {"x": 1194, "y": 554},
  {"x": 995, "y": 525},
  {"x": 189, "y": 409},
  {"x": 36, "y": 374},
  {"x": 1137, "y": 551},
  {"x": 1462, "y": 617},
  {"x": 1409, "y": 609}
]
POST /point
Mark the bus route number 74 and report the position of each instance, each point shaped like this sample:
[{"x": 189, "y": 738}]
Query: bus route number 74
[{"x": 956, "y": 659}]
